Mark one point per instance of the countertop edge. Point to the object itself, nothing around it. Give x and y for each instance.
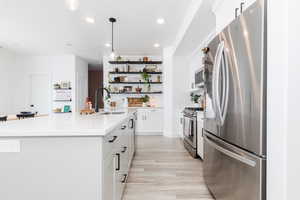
(67, 133)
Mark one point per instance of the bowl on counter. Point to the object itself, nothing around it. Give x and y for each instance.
(26, 112)
(3, 118)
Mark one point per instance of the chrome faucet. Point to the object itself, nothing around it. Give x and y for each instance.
(97, 97)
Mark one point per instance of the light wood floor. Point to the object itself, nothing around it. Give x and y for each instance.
(163, 170)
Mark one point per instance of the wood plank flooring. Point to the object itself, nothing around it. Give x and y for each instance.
(163, 170)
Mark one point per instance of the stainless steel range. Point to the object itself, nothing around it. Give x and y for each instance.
(190, 130)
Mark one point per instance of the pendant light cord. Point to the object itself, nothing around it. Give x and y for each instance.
(112, 20)
(112, 36)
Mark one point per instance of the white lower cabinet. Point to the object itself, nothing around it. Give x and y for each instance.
(120, 150)
(108, 178)
(150, 121)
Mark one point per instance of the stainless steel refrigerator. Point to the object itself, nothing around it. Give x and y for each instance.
(235, 114)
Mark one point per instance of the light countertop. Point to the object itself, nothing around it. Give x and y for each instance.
(64, 125)
(14, 117)
(156, 107)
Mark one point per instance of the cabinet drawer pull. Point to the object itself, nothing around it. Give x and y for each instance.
(124, 149)
(118, 164)
(131, 123)
(124, 179)
(123, 127)
(112, 140)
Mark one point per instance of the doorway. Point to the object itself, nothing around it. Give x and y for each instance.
(40, 93)
(95, 82)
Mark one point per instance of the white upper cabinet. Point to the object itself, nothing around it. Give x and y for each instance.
(227, 10)
(248, 3)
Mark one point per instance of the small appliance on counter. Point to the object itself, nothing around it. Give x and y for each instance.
(190, 129)
(3, 118)
(25, 114)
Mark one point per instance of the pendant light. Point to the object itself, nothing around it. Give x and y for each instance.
(112, 21)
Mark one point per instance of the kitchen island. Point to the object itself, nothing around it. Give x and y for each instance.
(66, 156)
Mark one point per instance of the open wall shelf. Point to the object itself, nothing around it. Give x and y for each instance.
(135, 83)
(70, 100)
(135, 72)
(136, 93)
(136, 62)
(62, 88)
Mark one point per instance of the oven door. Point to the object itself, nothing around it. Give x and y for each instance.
(190, 130)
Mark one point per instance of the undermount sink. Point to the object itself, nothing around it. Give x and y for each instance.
(111, 113)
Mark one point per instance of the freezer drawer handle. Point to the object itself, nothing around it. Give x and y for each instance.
(131, 123)
(114, 138)
(124, 179)
(118, 165)
(123, 127)
(231, 154)
(124, 149)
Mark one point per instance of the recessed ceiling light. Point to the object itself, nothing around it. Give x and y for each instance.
(72, 4)
(108, 45)
(160, 20)
(156, 45)
(90, 20)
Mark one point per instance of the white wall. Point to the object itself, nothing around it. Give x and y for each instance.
(181, 95)
(58, 68)
(180, 63)
(7, 66)
(277, 100)
(15, 85)
(293, 99)
(82, 75)
(168, 92)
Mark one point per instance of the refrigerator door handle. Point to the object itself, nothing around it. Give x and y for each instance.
(217, 68)
(214, 78)
(225, 85)
(230, 153)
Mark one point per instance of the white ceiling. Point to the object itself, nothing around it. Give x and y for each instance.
(202, 25)
(44, 27)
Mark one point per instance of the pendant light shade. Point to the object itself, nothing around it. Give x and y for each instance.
(112, 21)
(112, 55)
(72, 4)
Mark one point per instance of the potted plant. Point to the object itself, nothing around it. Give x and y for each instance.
(195, 98)
(147, 77)
(145, 100)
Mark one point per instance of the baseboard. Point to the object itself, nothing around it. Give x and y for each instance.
(173, 135)
(149, 133)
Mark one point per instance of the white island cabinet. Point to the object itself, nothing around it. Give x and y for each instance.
(66, 157)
